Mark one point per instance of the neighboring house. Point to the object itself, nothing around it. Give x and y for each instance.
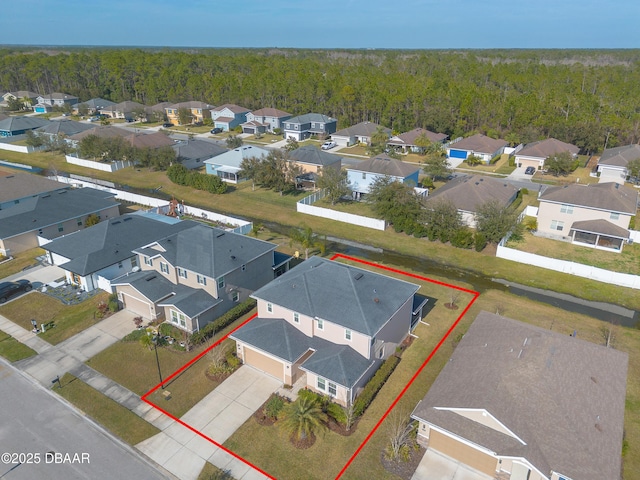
(45, 103)
(106, 131)
(227, 165)
(478, 145)
(366, 172)
(312, 161)
(332, 322)
(127, 110)
(612, 166)
(468, 192)
(13, 126)
(519, 402)
(63, 128)
(359, 133)
(265, 120)
(93, 106)
(406, 142)
(193, 153)
(92, 257)
(304, 126)
(228, 116)
(194, 276)
(198, 111)
(16, 187)
(534, 154)
(29, 98)
(591, 215)
(149, 140)
(52, 215)
(157, 112)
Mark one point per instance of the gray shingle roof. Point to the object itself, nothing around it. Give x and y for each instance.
(314, 156)
(233, 158)
(16, 124)
(270, 112)
(232, 107)
(365, 129)
(562, 396)
(96, 103)
(608, 196)
(385, 165)
(102, 131)
(50, 209)
(354, 298)
(480, 143)
(192, 153)
(21, 185)
(64, 127)
(110, 242)
(312, 117)
(209, 251)
(409, 138)
(468, 192)
(600, 226)
(619, 156)
(546, 148)
(191, 302)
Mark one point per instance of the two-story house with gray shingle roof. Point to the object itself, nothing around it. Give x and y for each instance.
(265, 120)
(310, 124)
(16, 187)
(516, 402)
(366, 172)
(312, 161)
(228, 116)
(193, 153)
(192, 277)
(328, 325)
(612, 165)
(92, 257)
(596, 216)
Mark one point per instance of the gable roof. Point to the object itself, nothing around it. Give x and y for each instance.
(232, 107)
(208, 251)
(564, 398)
(64, 127)
(158, 107)
(312, 117)
(354, 298)
(192, 104)
(189, 152)
(233, 158)
(102, 131)
(365, 129)
(601, 226)
(468, 192)
(546, 148)
(149, 140)
(57, 96)
(619, 156)
(16, 124)
(96, 103)
(110, 242)
(16, 186)
(50, 209)
(480, 143)
(314, 156)
(608, 196)
(124, 107)
(385, 165)
(270, 112)
(409, 138)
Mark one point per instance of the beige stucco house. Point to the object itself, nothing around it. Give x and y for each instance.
(597, 215)
(328, 325)
(534, 154)
(519, 402)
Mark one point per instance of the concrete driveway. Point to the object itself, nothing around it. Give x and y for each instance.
(218, 415)
(435, 466)
(38, 275)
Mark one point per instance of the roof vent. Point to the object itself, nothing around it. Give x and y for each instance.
(219, 235)
(358, 276)
(233, 257)
(115, 223)
(376, 300)
(148, 279)
(127, 219)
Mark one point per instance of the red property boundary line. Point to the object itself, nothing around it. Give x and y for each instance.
(475, 294)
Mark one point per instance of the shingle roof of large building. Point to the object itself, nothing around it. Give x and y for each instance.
(16, 124)
(231, 106)
(123, 107)
(64, 127)
(208, 251)
(58, 96)
(468, 192)
(480, 143)
(17, 186)
(102, 131)
(546, 148)
(342, 294)
(607, 196)
(191, 105)
(314, 156)
(270, 112)
(149, 140)
(312, 117)
(50, 209)
(409, 138)
(110, 242)
(619, 156)
(561, 398)
(365, 129)
(338, 363)
(158, 107)
(96, 103)
(233, 158)
(192, 153)
(385, 165)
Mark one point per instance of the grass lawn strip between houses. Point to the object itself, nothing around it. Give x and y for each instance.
(111, 415)
(12, 349)
(20, 262)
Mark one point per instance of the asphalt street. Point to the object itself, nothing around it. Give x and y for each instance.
(42, 437)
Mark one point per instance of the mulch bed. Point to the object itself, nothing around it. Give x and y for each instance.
(451, 306)
(304, 443)
(340, 429)
(218, 377)
(404, 470)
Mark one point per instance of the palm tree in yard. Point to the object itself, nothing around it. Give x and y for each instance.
(305, 237)
(303, 418)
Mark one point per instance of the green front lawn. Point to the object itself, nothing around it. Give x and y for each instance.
(20, 261)
(12, 349)
(69, 319)
(111, 415)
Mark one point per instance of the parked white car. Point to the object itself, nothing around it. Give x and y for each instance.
(328, 145)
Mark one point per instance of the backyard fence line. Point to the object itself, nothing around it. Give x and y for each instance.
(305, 206)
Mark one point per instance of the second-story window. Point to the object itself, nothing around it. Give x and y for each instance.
(270, 307)
(182, 273)
(320, 324)
(296, 317)
(201, 280)
(221, 282)
(164, 268)
(148, 261)
(347, 334)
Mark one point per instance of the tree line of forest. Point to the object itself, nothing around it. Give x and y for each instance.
(588, 98)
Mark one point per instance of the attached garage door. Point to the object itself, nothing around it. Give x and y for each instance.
(463, 453)
(266, 364)
(136, 306)
(248, 130)
(457, 153)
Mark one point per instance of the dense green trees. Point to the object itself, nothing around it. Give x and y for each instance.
(274, 171)
(334, 181)
(179, 174)
(561, 164)
(576, 96)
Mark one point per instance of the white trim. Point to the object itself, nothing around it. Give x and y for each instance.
(483, 411)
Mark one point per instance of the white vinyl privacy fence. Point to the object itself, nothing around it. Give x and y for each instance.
(305, 206)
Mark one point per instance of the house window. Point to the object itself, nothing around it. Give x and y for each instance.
(321, 384)
(381, 352)
(40, 231)
(614, 216)
(347, 334)
(201, 280)
(79, 222)
(270, 307)
(164, 268)
(296, 317)
(235, 296)
(75, 278)
(221, 282)
(134, 262)
(320, 324)
(333, 390)
(182, 273)
(148, 261)
(60, 228)
(566, 209)
(178, 318)
(557, 225)
(119, 264)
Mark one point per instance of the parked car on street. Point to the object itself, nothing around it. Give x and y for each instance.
(328, 145)
(11, 289)
(530, 171)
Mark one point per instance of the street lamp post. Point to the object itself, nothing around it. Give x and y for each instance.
(155, 347)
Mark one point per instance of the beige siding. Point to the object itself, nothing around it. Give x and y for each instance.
(262, 361)
(535, 162)
(397, 328)
(551, 211)
(305, 325)
(462, 452)
(341, 392)
(133, 302)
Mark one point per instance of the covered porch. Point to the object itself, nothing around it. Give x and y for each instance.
(599, 234)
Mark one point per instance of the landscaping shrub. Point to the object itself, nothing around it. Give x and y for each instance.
(232, 360)
(336, 412)
(210, 329)
(180, 175)
(481, 241)
(463, 238)
(374, 385)
(310, 395)
(273, 406)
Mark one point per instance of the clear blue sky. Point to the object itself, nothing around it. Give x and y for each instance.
(327, 24)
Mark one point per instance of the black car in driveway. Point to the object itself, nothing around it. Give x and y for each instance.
(11, 289)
